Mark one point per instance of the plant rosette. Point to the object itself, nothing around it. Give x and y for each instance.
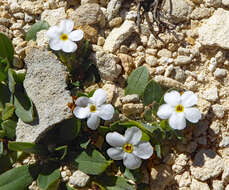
(178, 108)
(94, 108)
(63, 38)
(129, 147)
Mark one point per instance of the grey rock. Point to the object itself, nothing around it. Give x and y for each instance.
(180, 11)
(168, 82)
(118, 35)
(79, 179)
(215, 31)
(220, 73)
(88, 14)
(53, 17)
(183, 60)
(130, 98)
(207, 164)
(200, 13)
(211, 94)
(197, 185)
(225, 2)
(213, 3)
(218, 110)
(107, 64)
(113, 8)
(224, 142)
(45, 84)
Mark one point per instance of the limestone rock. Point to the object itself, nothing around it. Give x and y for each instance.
(107, 64)
(42, 39)
(53, 17)
(132, 109)
(118, 35)
(168, 82)
(32, 7)
(197, 185)
(130, 98)
(184, 180)
(224, 142)
(88, 14)
(225, 2)
(161, 176)
(211, 94)
(127, 62)
(215, 31)
(217, 185)
(180, 11)
(207, 164)
(79, 179)
(113, 8)
(45, 84)
(218, 110)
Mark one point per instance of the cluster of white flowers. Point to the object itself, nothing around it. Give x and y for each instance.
(63, 38)
(178, 108)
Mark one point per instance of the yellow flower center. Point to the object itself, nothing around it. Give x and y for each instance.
(179, 108)
(128, 148)
(92, 108)
(64, 37)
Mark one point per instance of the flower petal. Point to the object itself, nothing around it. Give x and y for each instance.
(93, 121)
(66, 26)
(55, 44)
(115, 153)
(192, 114)
(106, 111)
(99, 97)
(82, 101)
(53, 32)
(69, 46)
(172, 98)
(131, 161)
(189, 99)
(115, 139)
(76, 35)
(82, 112)
(143, 150)
(164, 111)
(133, 135)
(177, 121)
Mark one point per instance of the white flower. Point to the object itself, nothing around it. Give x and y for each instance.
(178, 108)
(62, 37)
(129, 147)
(94, 108)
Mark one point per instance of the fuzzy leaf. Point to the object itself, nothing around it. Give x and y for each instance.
(49, 181)
(18, 178)
(9, 126)
(6, 48)
(35, 28)
(152, 92)
(137, 81)
(92, 163)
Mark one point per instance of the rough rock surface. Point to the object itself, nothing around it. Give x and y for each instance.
(79, 179)
(107, 64)
(118, 35)
(215, 31)
(45, 84)
(53, 17)
(206, 164)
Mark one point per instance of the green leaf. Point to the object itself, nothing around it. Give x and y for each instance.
(85, 144)
(6, 163)
(134, 175)
(49, 181)
(137, 81)
(158, 150)
(70, 129)
(8, 111)
(92, 163)
(115, 183)
(32, 33)
(1, 148)
(6, 48)
(9, 126)
(152, 92)
(4, 66)
(18, 178)
(23, 107)
(68, 187)
(27, 147)
(12, 82)
(5, 95)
